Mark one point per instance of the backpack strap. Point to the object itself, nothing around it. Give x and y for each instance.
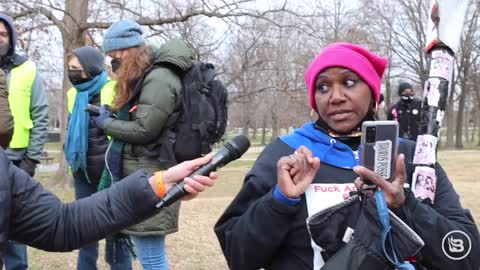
(203, 130)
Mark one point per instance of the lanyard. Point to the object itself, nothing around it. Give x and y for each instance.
(386, 233)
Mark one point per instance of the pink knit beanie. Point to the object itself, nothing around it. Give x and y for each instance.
(368, 66)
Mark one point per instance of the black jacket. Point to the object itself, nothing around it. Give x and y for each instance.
(31, 215)
(258, 231)
(97, 147)
(407, 114)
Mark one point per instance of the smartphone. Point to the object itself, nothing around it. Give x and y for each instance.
(93, 110)
(379, 147)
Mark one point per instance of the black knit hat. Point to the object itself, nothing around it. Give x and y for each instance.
(404, 86)
(91, 60)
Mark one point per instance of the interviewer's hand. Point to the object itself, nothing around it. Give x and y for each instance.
(193, 186)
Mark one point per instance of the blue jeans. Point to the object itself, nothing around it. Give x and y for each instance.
(151, 252)
(15, 256)
(117, 254)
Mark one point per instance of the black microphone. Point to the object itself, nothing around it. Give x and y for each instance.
(232, 150)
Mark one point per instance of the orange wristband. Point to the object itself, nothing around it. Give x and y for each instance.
(160, 190)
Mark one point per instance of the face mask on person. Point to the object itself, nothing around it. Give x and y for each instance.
(115, 63)
(407, 97)
(4, 48)
(75, 77)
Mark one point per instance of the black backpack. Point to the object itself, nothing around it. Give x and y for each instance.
(202, 119)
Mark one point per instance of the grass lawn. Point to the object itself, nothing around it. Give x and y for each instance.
(195, 245)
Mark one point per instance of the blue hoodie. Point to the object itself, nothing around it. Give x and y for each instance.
(326, 148)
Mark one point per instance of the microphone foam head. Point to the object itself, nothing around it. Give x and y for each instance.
(238, 145)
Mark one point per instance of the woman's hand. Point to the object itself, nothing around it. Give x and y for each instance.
(296, 172)
(104, 113)
(394, 193)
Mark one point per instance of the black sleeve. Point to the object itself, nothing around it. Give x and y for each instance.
(255, 224)
(39, 219)
(433, 223)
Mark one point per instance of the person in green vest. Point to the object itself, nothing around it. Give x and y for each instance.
(6, 119)
(29, 108)
(86, 144)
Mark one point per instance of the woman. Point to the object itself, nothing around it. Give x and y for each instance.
(148, 94)
(86, 144)
(265, 225)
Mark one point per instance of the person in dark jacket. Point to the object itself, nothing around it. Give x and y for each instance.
(86, 145)
(406, 112)
(147, 101)
(33, 216)
(265, 225)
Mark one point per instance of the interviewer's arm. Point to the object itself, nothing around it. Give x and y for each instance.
(41, 220)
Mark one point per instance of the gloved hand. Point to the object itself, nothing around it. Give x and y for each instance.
(28, 165)
(105, 113)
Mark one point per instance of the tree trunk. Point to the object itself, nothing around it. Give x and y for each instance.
(388, 92)
(246, 127)
(465, 122)
(478, 135)
(275, 126)
(450, 117)
(73, 37)
(255, 130)
(264, 130)
(461, 108)
(474, 130)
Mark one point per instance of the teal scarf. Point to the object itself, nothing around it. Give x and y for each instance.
(114, 156)
(76, 142)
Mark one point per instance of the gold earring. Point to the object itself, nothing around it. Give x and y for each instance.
(312, 114)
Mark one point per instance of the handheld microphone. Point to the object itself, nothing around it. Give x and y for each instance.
(232, 150)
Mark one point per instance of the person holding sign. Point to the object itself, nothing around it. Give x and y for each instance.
(316, 167)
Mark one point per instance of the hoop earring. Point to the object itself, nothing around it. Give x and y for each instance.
(312, 115)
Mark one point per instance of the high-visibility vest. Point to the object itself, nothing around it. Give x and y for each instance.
(106, 95)
(20, 97)
(106, 98)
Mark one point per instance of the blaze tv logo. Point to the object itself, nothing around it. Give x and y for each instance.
(456, 245)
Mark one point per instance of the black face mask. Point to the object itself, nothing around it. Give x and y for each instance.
(407, 97)
(75, 77)
(4, 48)
(115, 63)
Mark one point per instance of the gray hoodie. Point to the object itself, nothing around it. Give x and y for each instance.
(39, 101)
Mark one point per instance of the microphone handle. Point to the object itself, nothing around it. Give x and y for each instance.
(178, 190)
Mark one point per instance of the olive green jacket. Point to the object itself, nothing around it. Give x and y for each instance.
(160, 97)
